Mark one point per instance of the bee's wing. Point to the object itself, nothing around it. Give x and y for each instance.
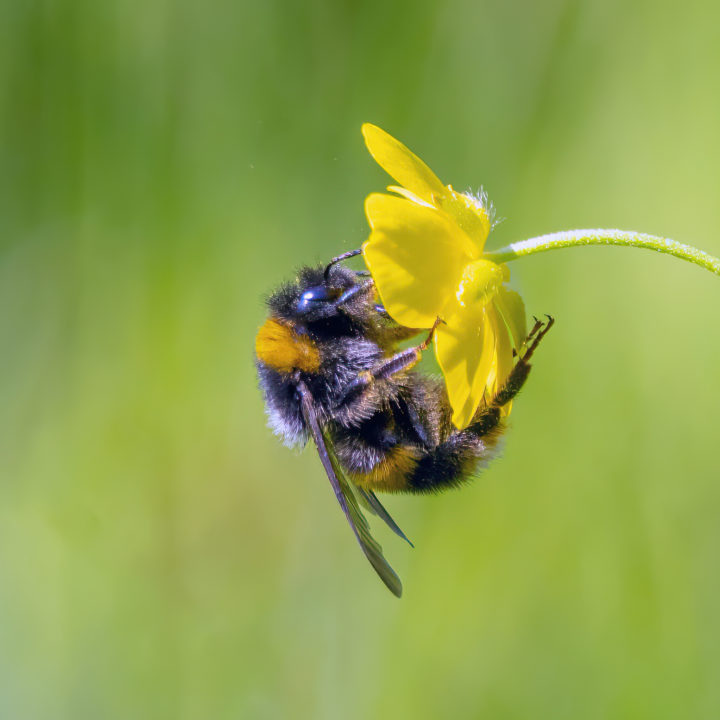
(345, 496)
(369, 500)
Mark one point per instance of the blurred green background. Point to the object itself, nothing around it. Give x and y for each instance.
(162, 167)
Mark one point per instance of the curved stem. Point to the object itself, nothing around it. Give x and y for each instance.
(570, 238)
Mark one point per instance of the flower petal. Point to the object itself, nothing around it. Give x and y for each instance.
(512, 310)
(416, 255)
(407, 194)
(470, 215)
(465, 350)
(402, 164)
(390, 214)
(504, 361)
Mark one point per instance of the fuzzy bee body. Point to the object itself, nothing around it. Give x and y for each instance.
(329, 368)
(393, 435)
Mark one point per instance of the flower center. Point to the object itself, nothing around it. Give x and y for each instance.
(480, 281)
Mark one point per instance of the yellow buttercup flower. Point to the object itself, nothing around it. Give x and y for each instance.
(425, 253)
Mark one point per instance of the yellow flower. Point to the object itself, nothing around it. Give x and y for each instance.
(425, 253)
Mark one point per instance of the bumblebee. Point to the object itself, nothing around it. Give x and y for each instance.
(330, 369)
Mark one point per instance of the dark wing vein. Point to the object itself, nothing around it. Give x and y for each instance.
(345, 496)
(370, 500)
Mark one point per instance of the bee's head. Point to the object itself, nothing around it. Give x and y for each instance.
(312, 297)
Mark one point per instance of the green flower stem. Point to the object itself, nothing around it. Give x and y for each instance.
(571, 238)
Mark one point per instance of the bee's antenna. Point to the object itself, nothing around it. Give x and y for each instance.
(339, 258)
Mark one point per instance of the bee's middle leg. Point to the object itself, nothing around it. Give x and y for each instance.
(402, 360)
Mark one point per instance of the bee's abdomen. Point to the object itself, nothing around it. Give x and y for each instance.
(392, 470)
(453, 462)
(408, 468)
(419, 454)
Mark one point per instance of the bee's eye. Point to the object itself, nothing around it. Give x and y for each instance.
(310, 298)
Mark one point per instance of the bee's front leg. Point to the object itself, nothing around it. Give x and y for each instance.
(353, 292)
(340, 258)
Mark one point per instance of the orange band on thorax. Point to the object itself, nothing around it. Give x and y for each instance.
(280, 348)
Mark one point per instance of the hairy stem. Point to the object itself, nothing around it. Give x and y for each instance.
(571, 238)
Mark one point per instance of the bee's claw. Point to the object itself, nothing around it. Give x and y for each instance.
(426, 343)
(538, 324)
(539, 331)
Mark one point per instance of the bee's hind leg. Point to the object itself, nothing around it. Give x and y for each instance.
(518, 375)
(489, 418)
(450, 463)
